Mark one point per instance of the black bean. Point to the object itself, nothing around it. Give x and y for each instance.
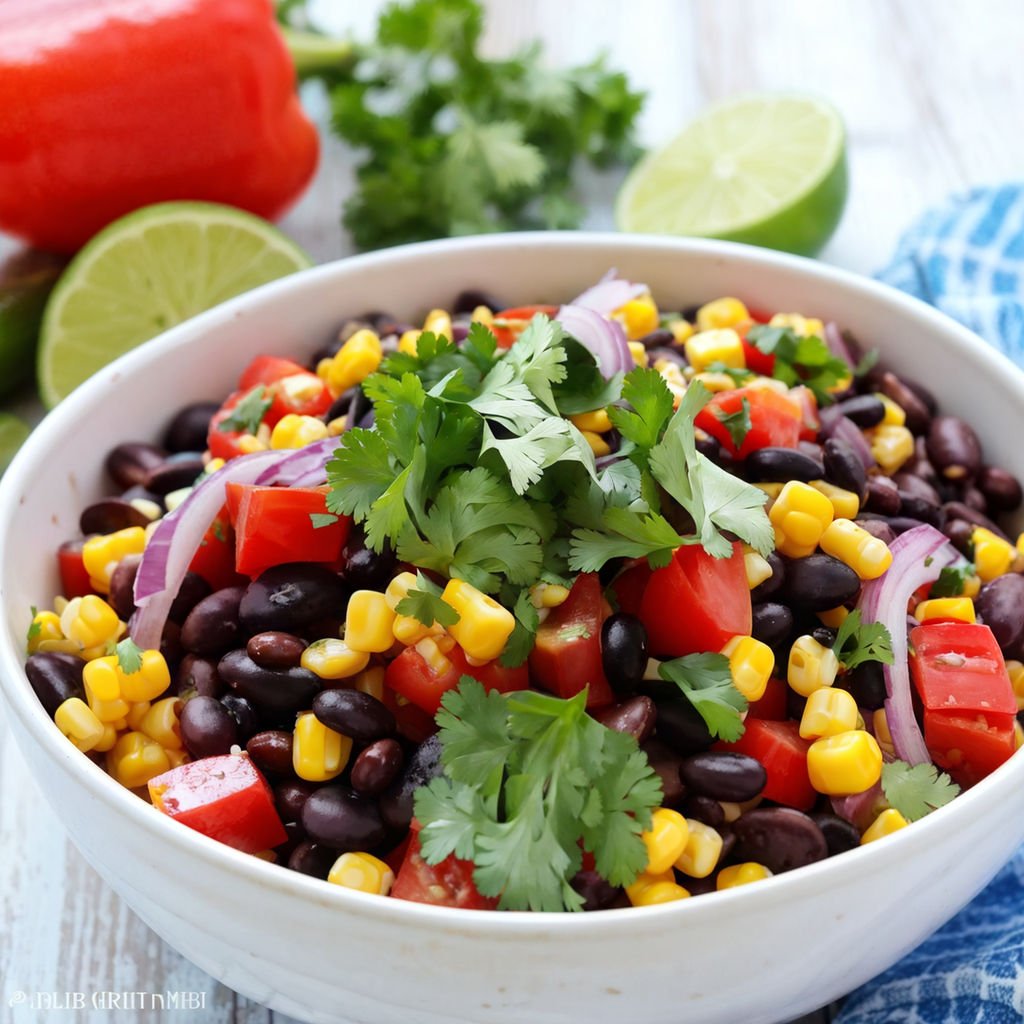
(877, 527)
(772, 623)
(961, 535)
(672, 355)
(623, 651)
(812, 450)
(55, 677)
(469, 298)
(883, 496)
(824, 635)
(198, 675)
(193, 589)
(339, 817)
(596, 892)
(289, 597)
(207, 727)
(275, 650)
(780, 838)
(122, 586)
(843, 467)
(357, 715)
(954, 448)
(920, 509)
(665, 761)
(176, 471)
(972, 497)
(291, 796)
(919, 464)
(703, 808)
(918, 416)
(774, 582)
(170, 642)
(272, 689)
(819, 582)
(795, 704)
(917, 487)
(840, 835)
(923, 393)
(866, 684)
(271, 751)
(424, 765)
(188, 430)
(130, 463)
(635, 716)
(782, 464)
(682, 728)
(864, 410)
(244, 713)
(366, 569)
(1000, 605)
(212, 626)
(294, 835)
(1002, 489)
(312, 859)
(376, 767)
(958, 510)
(723, 775)
(661, 337)
(111, 515)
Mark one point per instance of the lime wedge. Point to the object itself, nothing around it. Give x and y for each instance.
(13, 431)
(768, 169)
(147, 272)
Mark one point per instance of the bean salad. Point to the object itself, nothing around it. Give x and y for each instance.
(547, 607)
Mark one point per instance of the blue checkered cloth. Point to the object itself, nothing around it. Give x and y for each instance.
(966, 258)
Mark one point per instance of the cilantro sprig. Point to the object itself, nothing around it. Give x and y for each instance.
(530, 782)
(706, 682)
(801, 359)
(248, 414)
(857, 642)
(916, 790)
(952, 580)
(423, 603)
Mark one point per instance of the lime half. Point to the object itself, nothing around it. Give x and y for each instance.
(768, 169)
(147, 272)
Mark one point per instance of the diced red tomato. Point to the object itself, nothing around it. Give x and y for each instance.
(214, 559)
(521, 316)
(273, 525)
(224, 444)
(968, 700)
(412, 722)
(772, 705)
(305, 394)
(223, 797)
(267, 370)
(566, 655)
(629, 586)
(74, 579)
(696, 602)
(448, 884)
(779, 747)
(775, 420)
(756, 360)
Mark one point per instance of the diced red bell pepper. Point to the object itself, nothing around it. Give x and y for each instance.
(775, 420)
(696, 602)
(756, 360)
(779, 747)
(223, 797)
(225, 444)
(305, 394)
(773, 704)
(628, 587)
(448, 884)
(214, 559)
(520, 317)
(74, 577)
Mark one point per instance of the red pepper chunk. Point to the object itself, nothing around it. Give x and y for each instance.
(223, 797)
(775, 420)
(291, 388)
(448, 884)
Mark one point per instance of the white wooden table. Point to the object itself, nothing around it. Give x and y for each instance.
(931, 94)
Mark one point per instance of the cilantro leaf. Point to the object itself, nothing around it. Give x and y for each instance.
(584, 387)
(248, 414)
(706, 681)
(424, 604)
(624, 533)
(739, 374)
(398, 406)
(858, 642)
(549, 441)
(35, 628)
(322, 519)
(359, 473)
(916, 790)
(867, 363)
(129, 656)
(800, 359)
(736, 423)
(646, 391)
(952, 580)
(520, 643)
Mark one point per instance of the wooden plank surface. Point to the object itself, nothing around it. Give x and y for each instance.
(929, 92)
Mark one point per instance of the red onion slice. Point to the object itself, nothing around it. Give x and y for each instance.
(918, 556)
(842, 428)
(608, 294)
(604, 339)
(837, 344)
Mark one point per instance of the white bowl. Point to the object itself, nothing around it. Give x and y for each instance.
(761, 953)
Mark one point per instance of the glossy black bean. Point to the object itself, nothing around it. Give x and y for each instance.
(918, 416)
(212, 626)
(110, 515)
(819, 582)
(130, 463)
(198, 675)
(825, 636)
(422, 766)
(812, 450)
(896, 524)
(623, 651)
(1001, 488)
(972, 497)
(866, 684)
(288, 597)
(877, 528)
(723, 775)
(635, 716)
(469, 298)
(193, 589)
(55, 677)
(289, 689)
(921, 510)
(660, 338)
(275, 649)
(376, 767)
(773, 584)
(188, 430)
(341, 818)
(357, 715)
(207, 727)
(310, 858)
(919, 464)
(961, 535)
(931, 403)
(958, 510)
(290, 797)
(840, 835)
(244, 713)
(122, 583)
(917, 487)
(864, 410)
(780, 838)
(1000, 605)
(883, 496)
(782, 464)
(771, 623)
(596, 892)
(953, 447)
(170, 642)
(340, 405)
(843, 467)
(176, 471)
(665, 761)
(703, 808)
(682, 728)
(271, 751)
(795, 704)
(366, 569)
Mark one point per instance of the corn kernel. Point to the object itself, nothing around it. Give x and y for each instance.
(598, 445)
(833, 617)
(703, 849)
(135, 759)
(332, 658)
(45, 626)
(160, 723)
(715, 346)
(961, 608)
(891, 446)
(724, 312)
(439, 322)
(715, 382)
(660, 892)
(665, 839)
(828, 712)
(638, 316)
(773, 490)
(368, 622)
(482, 315)
(596, 421)
(136, 713)
(78, 722)
(248, 444)
(889, 821)
(894, 414)
(681, 330)
(108, 740)
(867, 555)
(800, 516)
(399, 587)
(639, 353)
(102, 680)
(811, 666)
(176, 498)
(993, 556)
(370, 681)
(751, 663)
(842, 765)
(319, 753)
(880, 728)
(362, 871)
(409, 342)
(646, 879)
(151, 679)
(360, 356)
(758, 568)
(336, 427)
(1015, 670)
(845, 504)
(548, 595)
(101, 554)
(430, 651)
(741, 874)
(323, 367)
(408, 630)
(801, 326)
(484, 626)
(293, 431)
(177, 758)
(90, 621)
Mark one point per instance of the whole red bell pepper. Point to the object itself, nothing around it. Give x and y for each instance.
(109, 105)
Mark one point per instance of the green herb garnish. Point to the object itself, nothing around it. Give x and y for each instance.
(248, 414)
(706, 682)
(858, 642)
(801, 359)
(916, 790)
